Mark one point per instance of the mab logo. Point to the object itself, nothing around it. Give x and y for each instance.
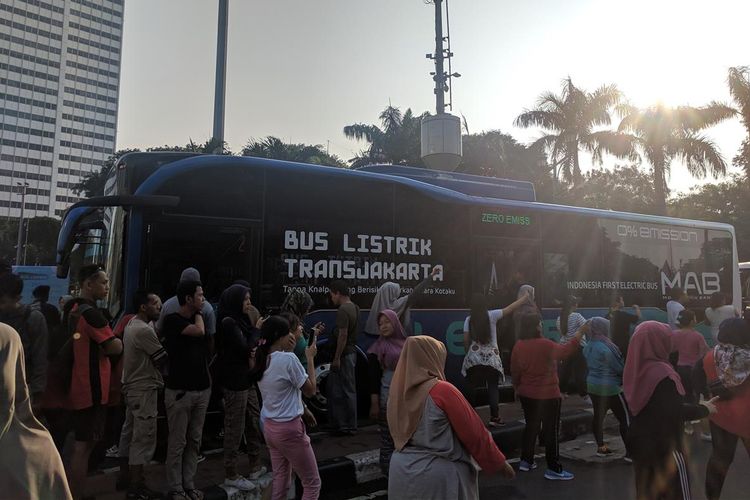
(700, 283)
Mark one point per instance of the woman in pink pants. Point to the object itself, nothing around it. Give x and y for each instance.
(282, 380)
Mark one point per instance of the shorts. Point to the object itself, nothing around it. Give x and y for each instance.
(88, 424)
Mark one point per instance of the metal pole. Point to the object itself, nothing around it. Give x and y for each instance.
(439, 72)
(19, 239)
(221, 74)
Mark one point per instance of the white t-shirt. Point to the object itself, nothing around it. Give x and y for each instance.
(716, 316)
(280, 387)
(575, 322)
(673, 309)
(495, 316)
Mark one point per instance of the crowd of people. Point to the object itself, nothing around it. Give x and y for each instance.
(66, 368)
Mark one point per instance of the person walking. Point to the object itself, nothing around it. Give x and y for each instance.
(389, 296)
(341, 383)
(717, 312)
(725, 372)
(30, 466)
(282, 380)
(572, 371)
(382, 358)
(142, 359)
(604, 382)
(188, 389)
(621, 322)
(482, 365)
(690, 347)
(438, 437)
(534, 371)
(655, 396)
(236, 339)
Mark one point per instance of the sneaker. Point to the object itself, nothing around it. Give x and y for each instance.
(689, 429)
(525, 466)
(201, 457)
(113, 451)
(240, 483)
(604, 451)
(257, 473)
(496, 422)
(627, 459)
(558, 476)
(706, 436)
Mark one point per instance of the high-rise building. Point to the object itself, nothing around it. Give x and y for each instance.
(59, 83)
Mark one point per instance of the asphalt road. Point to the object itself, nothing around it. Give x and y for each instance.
(610, 481)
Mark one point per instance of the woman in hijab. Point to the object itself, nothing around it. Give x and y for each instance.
(383, 357)
(30, 466)
(604, 381)
(654, 393)
(298, 303)
(725, 370)
(236, 339)
(437, 434)
(389, 297)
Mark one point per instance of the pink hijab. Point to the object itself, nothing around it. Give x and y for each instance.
(388, 349)
(648, 364)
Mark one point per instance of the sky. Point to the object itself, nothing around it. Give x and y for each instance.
(303, 69)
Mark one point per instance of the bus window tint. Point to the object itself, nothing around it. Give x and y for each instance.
(572, 260)
(719, 253)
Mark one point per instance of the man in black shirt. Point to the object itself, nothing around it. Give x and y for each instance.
(188, 388)
(621, 322)
(41, 303)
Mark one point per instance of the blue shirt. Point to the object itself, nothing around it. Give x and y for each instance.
(605, 369)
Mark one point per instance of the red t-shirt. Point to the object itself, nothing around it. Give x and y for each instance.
(92, 369)
(468, 427)
(690, 345)
(534, 369)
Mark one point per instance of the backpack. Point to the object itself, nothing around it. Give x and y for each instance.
(60, 351)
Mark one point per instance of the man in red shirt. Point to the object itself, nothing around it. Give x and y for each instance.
(93, 344)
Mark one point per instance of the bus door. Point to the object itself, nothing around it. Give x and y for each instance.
(502, 265)
(223, 251)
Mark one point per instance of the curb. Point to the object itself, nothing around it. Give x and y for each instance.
(345, 472)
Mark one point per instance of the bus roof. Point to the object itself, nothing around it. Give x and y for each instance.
(172, 170)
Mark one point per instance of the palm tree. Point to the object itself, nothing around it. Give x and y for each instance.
(273, 147)
(570, 120)
(739, 87)
(396, 140)
(662, 134)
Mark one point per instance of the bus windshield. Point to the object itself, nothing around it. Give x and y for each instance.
(99, 240)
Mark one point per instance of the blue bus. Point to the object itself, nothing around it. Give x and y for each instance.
(282, 225)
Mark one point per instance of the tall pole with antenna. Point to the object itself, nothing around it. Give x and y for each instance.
(441, 133)
(221, 75)
(439, 76)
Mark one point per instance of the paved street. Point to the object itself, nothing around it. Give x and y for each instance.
(605, 480)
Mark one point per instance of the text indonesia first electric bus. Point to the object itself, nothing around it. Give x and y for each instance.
(282, 225)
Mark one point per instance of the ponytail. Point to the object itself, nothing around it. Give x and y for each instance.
(272, 330)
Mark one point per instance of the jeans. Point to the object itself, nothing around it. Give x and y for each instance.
(542, 412)
(480, 376)
(619, 409)
(241, 414)
(342, 394)
(724, 446)
(186, 411)
(289, 446)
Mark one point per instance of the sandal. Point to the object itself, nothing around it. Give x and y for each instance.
(194, 494)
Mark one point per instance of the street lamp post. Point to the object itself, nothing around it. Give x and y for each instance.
(19, 240)
(221, 75)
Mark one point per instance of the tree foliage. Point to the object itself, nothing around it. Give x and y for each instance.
(396, 140)
(275, 148)
(625, 188)
(41, 240)
(662, 134)
(727, 201)
(739, 87)
(570, 121)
